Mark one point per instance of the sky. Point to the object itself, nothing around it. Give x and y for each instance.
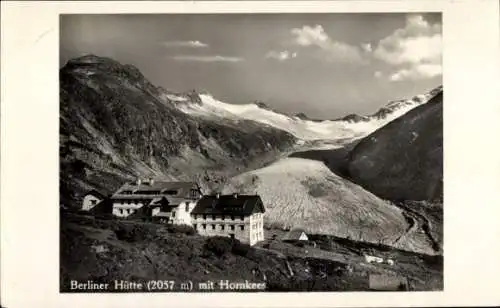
(324, 65)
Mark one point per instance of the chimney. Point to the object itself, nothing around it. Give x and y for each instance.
(235, 195)
(217, 195)
(151, 181)
(138, 181)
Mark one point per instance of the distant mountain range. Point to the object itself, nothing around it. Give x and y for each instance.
(300, 125)
(115, 125)
(389, 112)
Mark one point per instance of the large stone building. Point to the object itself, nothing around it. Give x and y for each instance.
(171, 202)
(236, 216)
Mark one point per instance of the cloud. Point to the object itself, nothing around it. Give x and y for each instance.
(328, 49)
(191, 44)
(367, 47)
(215, 58)
(420, 71)
(378, 74)
(281, 55)
(417, 42)
(418, 46)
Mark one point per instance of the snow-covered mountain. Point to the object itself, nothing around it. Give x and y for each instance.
(349, 127)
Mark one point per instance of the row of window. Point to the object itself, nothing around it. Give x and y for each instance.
(222, 227)
(222, 217)
(126, 211)
(257, 236)
(173, 212)
(257, 225)
(132, 202)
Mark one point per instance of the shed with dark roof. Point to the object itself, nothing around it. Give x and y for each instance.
(295, 234)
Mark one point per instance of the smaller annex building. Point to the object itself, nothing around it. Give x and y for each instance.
(91, 199)
(295, 235)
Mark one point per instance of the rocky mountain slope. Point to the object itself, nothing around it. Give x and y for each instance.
(116, 125)
(404, 159)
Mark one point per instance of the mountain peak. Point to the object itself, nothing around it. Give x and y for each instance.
(302, 116)
(355, 118)
(91, 59)
(262, 105)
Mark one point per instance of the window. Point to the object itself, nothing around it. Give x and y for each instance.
(194, 193)
(204, 216)
(186, 207)
(213, 227)
(204, 226)
(194, 226)
(213, 217)
(222, 227)
(148, 192)
(173, 214)
(93, 202)
(232, 227)
(242, 218)
(232, 217)
(121, 211)
(242, 227)
(170, 192)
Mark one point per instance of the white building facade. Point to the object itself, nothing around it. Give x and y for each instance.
(172, 202)
(236, 216)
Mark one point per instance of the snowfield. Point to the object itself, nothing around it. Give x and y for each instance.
(305, 193)
(300, 128)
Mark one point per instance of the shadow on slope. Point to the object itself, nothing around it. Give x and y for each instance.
(335, 159)
(404, 159)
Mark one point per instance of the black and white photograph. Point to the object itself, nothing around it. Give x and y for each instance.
(251, 152)
(255, 154)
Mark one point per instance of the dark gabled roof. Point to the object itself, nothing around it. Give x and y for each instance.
(94, 192)
(237, 205)
(156, 189)
(103, 207)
